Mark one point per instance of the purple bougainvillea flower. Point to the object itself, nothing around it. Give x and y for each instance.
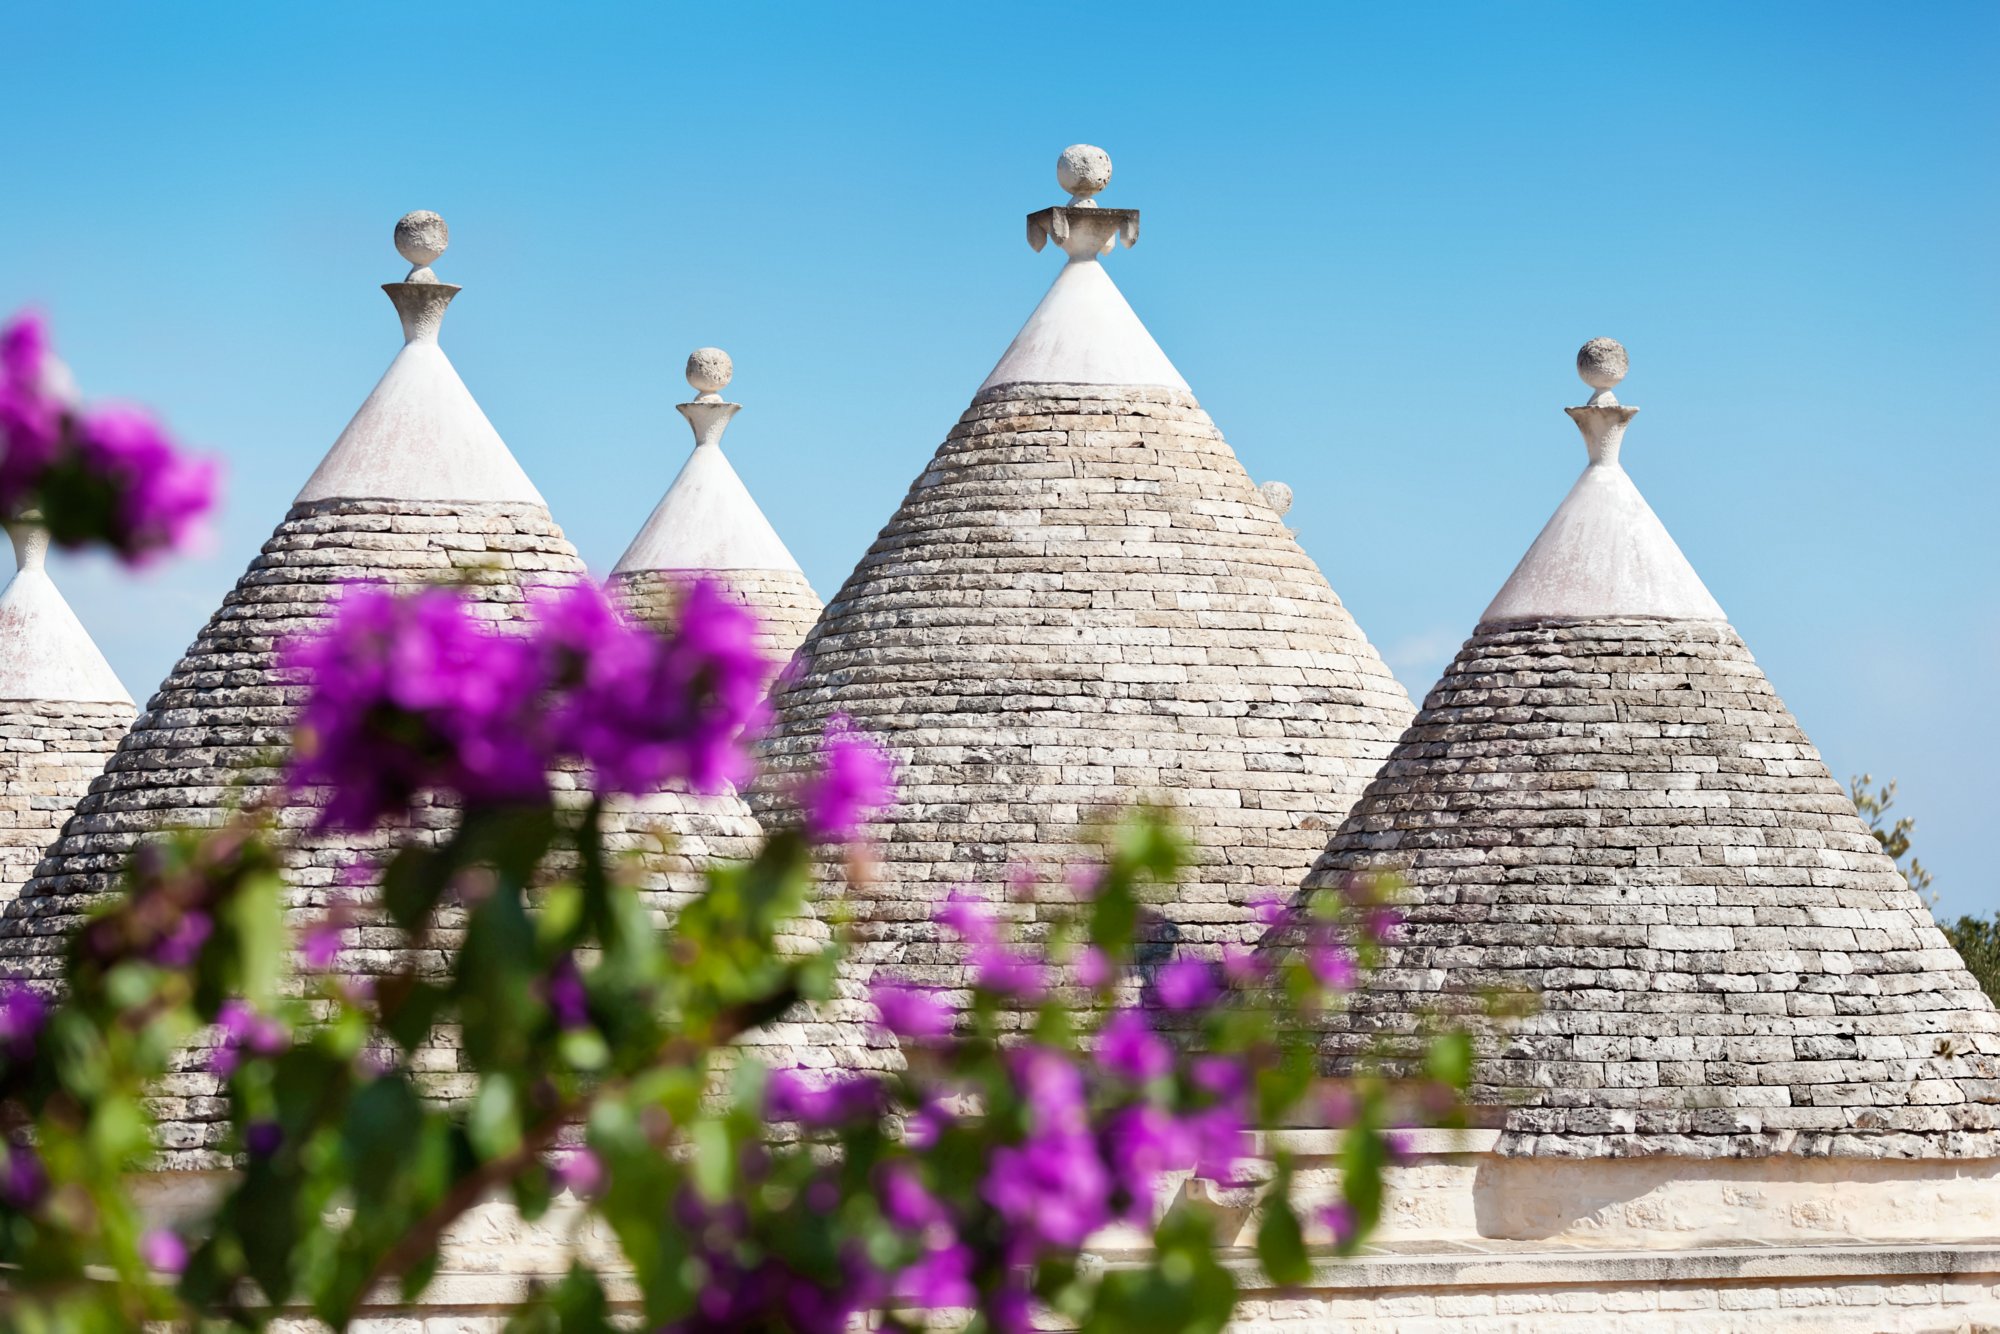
(1333, 966)
(580, 1172)
(645, 710)
(1052, 1187)
(821, 1105)
(1269, 906)
(940, 1279)
(1186, 984)
(855, 780)
(967, 916)
(1241, 965)
(1338, 1219)
(262, 1138)
(30, 417)
(160, 496)
(1006, 972)
(244, 1030)
(163, 1251)
(563, 990)
(1142, 1142)
(914, 1013)
(905, 1200)
(22, 1014)
(319, 944)
(411, 693)
(1093, 968)
(23, 1182)
(1128, 1046)
(182, 944)
(1385, 924)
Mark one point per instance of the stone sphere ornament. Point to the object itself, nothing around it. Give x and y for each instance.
(1601, 363)
(421, 237)
(1083, 170)
(709, 370)
(1277, 495)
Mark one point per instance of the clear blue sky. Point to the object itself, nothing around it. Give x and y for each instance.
(1374, 237)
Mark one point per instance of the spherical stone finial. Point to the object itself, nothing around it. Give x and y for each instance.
(421, 237)
(1083, 170)
(1601, 363)
(709, 370)
(1277, 495)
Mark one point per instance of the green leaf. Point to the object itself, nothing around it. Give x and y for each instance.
(1281, 1243)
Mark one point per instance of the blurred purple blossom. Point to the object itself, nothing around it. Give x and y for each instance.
(1093, 968)
(182, 943)
(854, 781)
(163, 1251)
(1186, 984)
(915, 1013)
(822, 1104)
(23, 1181)
(411, 692)
(1128, 1046)
(160, 497)
(22, 1014)
(563, 991)
(244, 1030)
(580, 1172)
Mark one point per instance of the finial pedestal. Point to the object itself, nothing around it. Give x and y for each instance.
(420, 299)
(709, 371)
(1082, 227)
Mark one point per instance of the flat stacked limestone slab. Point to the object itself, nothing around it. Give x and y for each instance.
(49, 752)
(1615, 813)
(1084, 602)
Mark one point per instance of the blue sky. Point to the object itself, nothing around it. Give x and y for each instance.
(1374, 237)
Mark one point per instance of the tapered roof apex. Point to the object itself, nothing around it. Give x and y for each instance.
(1604, 552)
(45, 653)
(707, 521)
(1084, 331)
(420, 436)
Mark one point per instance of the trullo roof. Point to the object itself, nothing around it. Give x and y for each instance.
(418, 486)
(1603, 803)
(1083, 601)
(708, 526)
(62, 709)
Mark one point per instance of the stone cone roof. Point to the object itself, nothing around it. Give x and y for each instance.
(213, 735)
(708, 526)
(1081, 602)
(1604, 802)
(62, 710)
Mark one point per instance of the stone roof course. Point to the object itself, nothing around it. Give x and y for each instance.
(1616, 813)
(1081, 602)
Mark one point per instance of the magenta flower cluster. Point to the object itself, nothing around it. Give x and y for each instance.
(110, 474)
(413, 692)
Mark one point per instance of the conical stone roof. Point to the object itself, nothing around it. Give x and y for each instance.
(1084, 601)
(419, 486)
(1604, 803)
(708, 526)
(62, 709)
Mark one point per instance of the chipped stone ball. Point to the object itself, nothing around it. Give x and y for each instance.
(709, 370)
(1083, 169)
(1277, 495)
(1601, 362)
(421, 237)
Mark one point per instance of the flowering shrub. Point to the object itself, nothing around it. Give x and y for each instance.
(109, 476)
(1063, 1097)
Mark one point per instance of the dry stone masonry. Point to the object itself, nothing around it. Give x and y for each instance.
(1083, 601)
(1604, 803)
(418, 486)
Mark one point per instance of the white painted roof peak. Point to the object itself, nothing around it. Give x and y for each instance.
(1604, 554)
(420, 436)
(45, 653)
(1084, 332)
(707, 520)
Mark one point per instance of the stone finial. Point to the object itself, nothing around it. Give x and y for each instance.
(420, 298)
(709, 371)
(1083, 170)
(420, 238)
(1081, 227)
(1601, 363)
(1278, 496)
(31, 541)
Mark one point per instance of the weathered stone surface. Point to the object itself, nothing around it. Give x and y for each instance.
(49, 752)
(1621, 817)
(212, 737)
(1083, 601)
